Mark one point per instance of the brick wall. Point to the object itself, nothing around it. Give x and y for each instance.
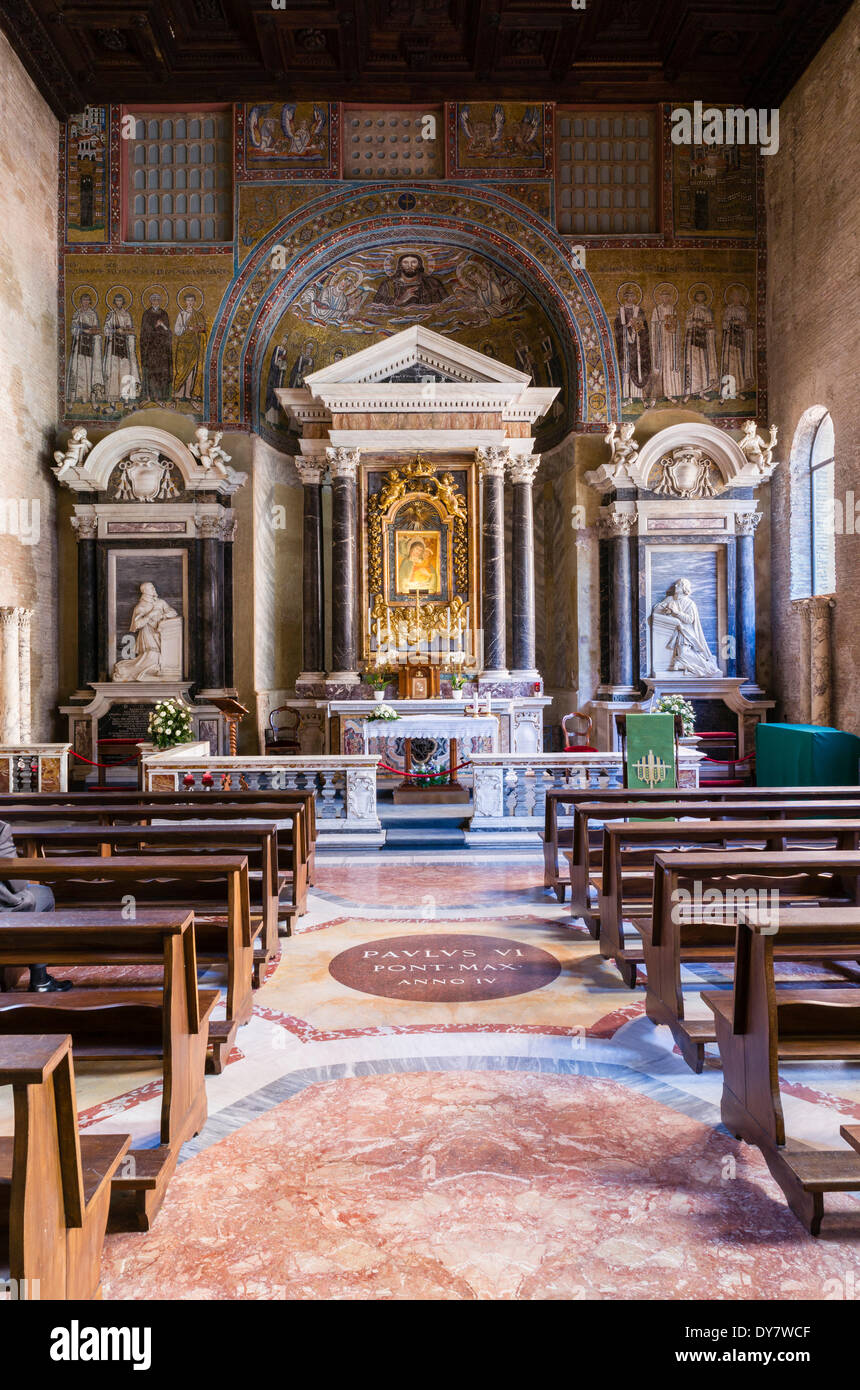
(28, 370)
(813, 211)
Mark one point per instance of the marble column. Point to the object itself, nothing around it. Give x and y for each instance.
(745, 528)
(522, 474)
(618, 528)
(86, 530)
(25, 696)
(10, 685)
(491, 468)
(210, 533)
(816, 612)
(313, 593)
(343, 464)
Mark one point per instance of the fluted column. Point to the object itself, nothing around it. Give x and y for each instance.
(491, 468)
(618, 528)
(313, 593)
(745, 527)
(10, 686)
(522, 474)
(25, 697)
(817, 614)
(343, 464)
(85, 526)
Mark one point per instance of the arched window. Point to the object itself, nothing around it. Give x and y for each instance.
(815, 515)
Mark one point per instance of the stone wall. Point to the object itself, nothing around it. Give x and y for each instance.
(28, 372)
(813, 205)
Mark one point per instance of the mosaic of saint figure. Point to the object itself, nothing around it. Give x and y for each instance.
(666, 358)
(737, 354)
(84, 379)
(156, 349)
(190, 354)
(632, 343)
(701, 377)
(120, 352)
(410, 284)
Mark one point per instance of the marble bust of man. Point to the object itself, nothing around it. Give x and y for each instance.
(677, 634)
(150, 612)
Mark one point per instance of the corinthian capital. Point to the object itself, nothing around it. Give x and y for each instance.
(523, 469)
(746, 523)
(343, 462)
(310, 470)
(85, 526)
(492, 459)
(612, 522)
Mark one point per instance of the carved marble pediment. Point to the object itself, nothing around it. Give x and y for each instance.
(147, 463)
(684, 461)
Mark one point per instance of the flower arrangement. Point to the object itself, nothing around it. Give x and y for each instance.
(676, 704)
(378, 677)
(458, 680)
(170, 723)
(385, 712)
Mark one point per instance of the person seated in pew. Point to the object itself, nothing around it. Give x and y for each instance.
(18, 895)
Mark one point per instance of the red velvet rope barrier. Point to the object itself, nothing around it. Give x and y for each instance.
(747, 757)
(425, 776)
(121, 762)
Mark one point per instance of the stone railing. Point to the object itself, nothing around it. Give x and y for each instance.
(34, 767)
(510, 788)
(345, 784)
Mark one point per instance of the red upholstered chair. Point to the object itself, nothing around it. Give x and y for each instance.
(576, 728)
(282, 733)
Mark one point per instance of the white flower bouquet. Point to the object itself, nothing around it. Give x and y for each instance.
(385, 713)
(170, 723)
(676, 704)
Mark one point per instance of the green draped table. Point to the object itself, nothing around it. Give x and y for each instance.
(806, 755)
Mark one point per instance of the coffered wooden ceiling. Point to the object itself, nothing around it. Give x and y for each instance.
(749, 51)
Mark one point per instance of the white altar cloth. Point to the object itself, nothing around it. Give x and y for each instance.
(448, 726)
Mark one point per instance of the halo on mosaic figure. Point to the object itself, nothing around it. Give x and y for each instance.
(661, 289)
(150, 290)
(700, 287)
(620, 293)
(393, 257)
(744, 295)
(187, 290)
(79, 291)
(126, 293)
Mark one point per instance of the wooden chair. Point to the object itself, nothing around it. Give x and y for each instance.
(576, 729)
(759, 1024)
(282, 735)
(54, 1184)
(123, 1024)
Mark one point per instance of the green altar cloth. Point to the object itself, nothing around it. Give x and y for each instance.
(806, 755)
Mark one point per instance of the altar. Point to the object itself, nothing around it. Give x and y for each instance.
(425, 733)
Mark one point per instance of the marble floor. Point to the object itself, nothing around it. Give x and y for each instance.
(445, 1093)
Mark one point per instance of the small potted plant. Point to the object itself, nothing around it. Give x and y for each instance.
(458, 680)
(676, 704)
(170, 723)
(378, 677)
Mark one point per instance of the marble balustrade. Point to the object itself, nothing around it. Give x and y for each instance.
(34, 767)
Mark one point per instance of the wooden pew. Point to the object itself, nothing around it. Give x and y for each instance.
(558, 836)
(586, 854)
(627, 894)
(759, 1024)
(292, 862)
(54, 1183)
(258, 841)
(123, 1024)
(304, 798)
(674, 933)
(224, 938)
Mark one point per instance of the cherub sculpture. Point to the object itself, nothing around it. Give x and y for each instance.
(77, 448)
(623, 445)
(756, 450)
(447, 494)
(209, 452)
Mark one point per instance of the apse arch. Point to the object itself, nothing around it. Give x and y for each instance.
(326, 231)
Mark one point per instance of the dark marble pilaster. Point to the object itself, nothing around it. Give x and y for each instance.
(86, 530)
(344, 520)
(522, 474)
(616, 528)
(211, 599)
(313, 594)
(745, 528)
(491, 467)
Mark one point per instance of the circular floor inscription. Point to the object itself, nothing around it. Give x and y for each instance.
(441, 968)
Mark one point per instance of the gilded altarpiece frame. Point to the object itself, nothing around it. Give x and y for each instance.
(436, 503)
